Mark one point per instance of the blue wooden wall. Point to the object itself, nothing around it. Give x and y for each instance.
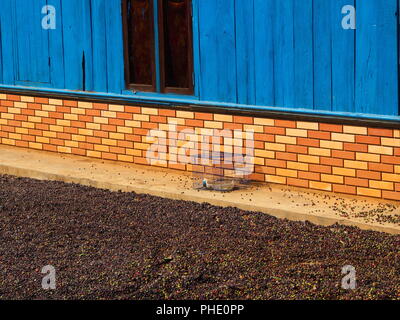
(283, 53)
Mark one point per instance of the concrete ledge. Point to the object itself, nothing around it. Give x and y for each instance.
(282, 202)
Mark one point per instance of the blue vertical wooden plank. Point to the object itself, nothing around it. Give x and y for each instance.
(377, 57)
(77, 44)
(196, 48)
(303, 54)
(115, 47)
(7, 29)
(343, 60)
(264, 52)
(245, 51)
(218, 50)
(322, 54)
(99, 30)
(284, 53)
(32, 42)
(56, 49)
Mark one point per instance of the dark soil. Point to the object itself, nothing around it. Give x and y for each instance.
(107, 245)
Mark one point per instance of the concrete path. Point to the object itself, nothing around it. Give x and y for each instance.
(282, 202)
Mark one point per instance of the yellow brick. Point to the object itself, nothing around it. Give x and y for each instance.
(100, 120)
(109, 142)
(397, 133)
(94, 154)
(78, 138)
(117, 108)
(252, 128)
(141, 117)
(307, 125)
(296, 132)
(35, 145)
(43, 114)
(21, 130)
(319, 152)
(34, 119)
(3, 121)
(259, 161)
(56, 102)
(264, 122)
(391, 177)
(93, 126)
(275, 146)
(64, 123)
(286, 173)
(332, 179)
(78, 111)
(26, 99)
(141, 146)
(85, 105)
(185, 114)
(50, 134)
(64, 149)
(331, 144)
(343, 137)
(132, 124)
(344, 172)
(17, 110)
(28, 125)
(213, 124)
(223, 117)
(150, 111)
(50, 108)
(108, 114)
(355, 130)
(71, 117)
(101, 148)
(369, 192)
(124, 130)
(308, 159)
(133, 152)
(356, 164)
(176, 121)
(117, 136)
(380, 150)
(381, 185)
(85, 132)
(275, 179)
(298, 166)
(125, 158)
(391, 142)
(72, 144)
(286, 140)
(56, 128)
(42, 140)
(10, 142)
(264, 154)
(14, 136)
(8, 116)
(368, 157)
(3, 96)
(20, 105)
(397, 169)
(320, 186)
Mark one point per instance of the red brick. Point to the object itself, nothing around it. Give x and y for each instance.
(108, 127)
(133, 109)
(116, 122)
(70, 103)
(309, 175)
(265, 170)
(275, 163)
(397, 152)
(380, 132)
(320, 168)
(264, 137)
(356, 147)
(233, 126)
(344, 189)
(100, 106)
(298, 182)
(390, 159)
(331, 127)
(56, 115)
(391, 195)
(335, 162)
(368, 140)
(275, 130)
(41, 100)
(297, 149)
(322, 135)
(108, 156)
(194, 123)
(49, 147)
(372, 175)
(204, 116)
(308, 142)
(124, 115)
(12, 97)
(22, 144)
(78, 152)
(349, 155)
(285, 123)
(167, 113)
(286, 156)
(243, 120)
(381, 167)
(357, 182)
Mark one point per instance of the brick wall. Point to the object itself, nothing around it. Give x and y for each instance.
(339, 158)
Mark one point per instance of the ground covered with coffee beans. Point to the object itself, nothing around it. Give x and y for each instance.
(110, 245)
